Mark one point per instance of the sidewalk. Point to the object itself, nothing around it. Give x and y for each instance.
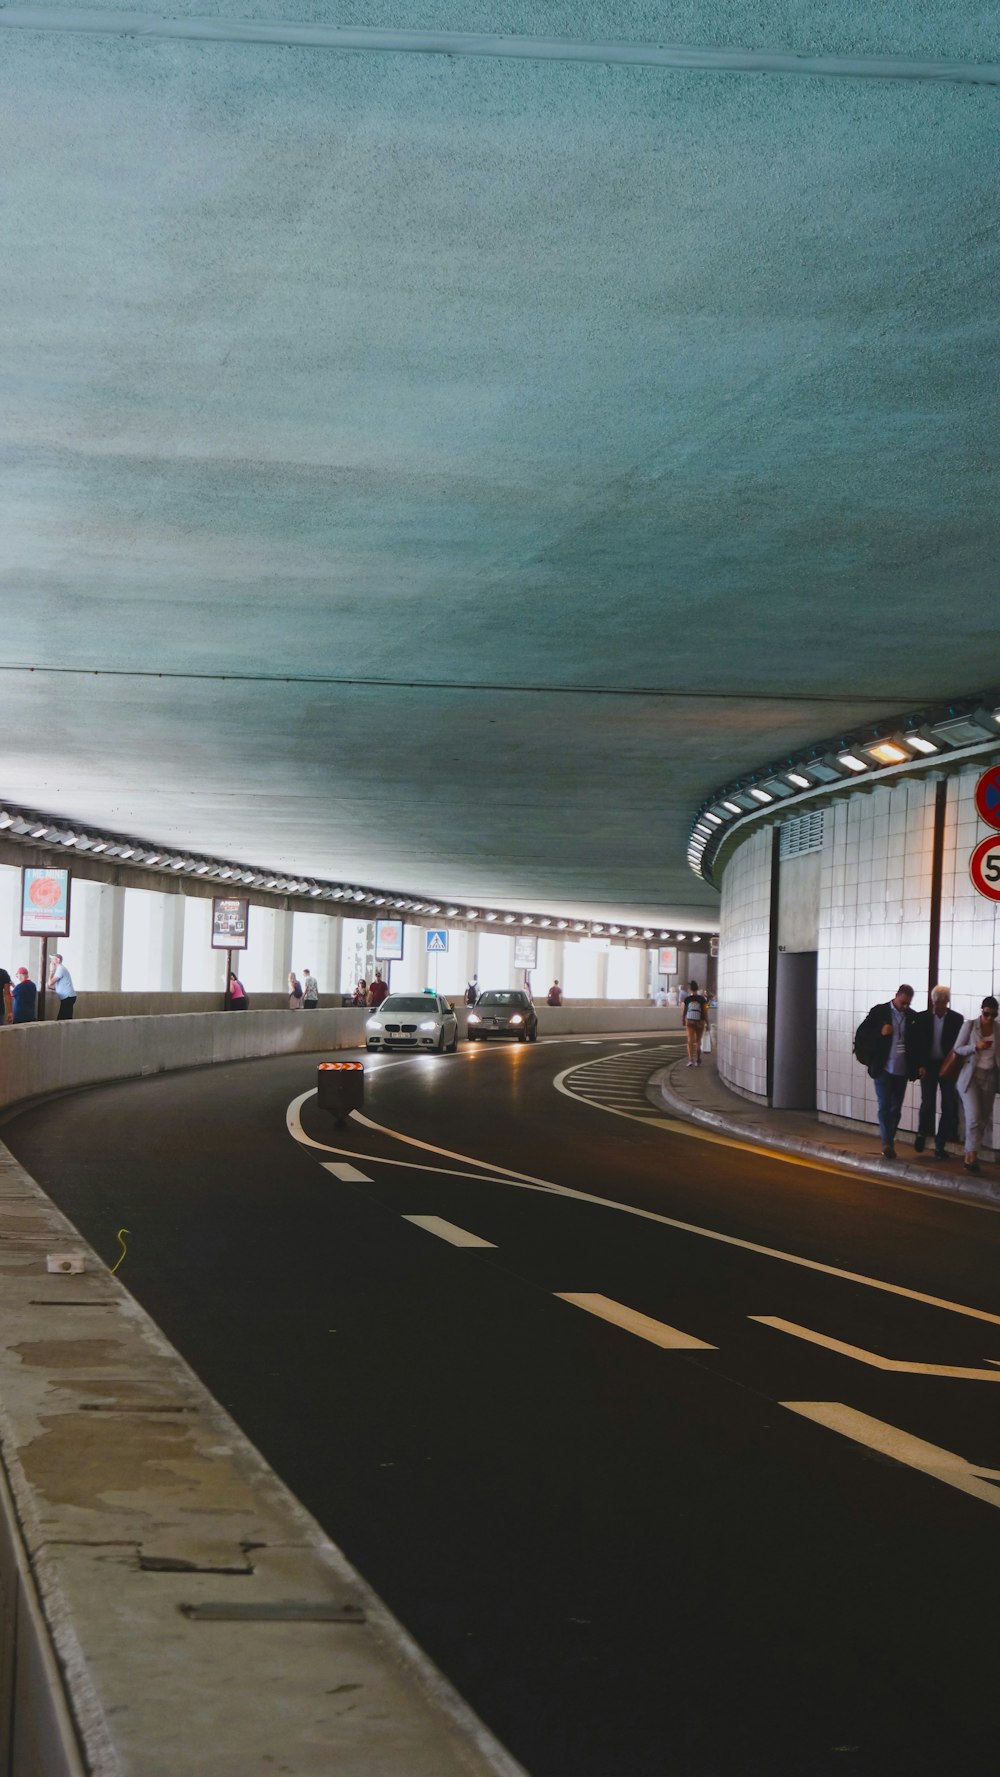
(700, 1096)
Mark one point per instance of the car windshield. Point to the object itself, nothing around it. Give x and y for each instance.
(399, 1002)
(502, 999)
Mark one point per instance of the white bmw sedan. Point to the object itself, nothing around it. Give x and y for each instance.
(413, 1021)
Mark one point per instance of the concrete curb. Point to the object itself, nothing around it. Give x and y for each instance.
(983, 1192)
(189, 1615)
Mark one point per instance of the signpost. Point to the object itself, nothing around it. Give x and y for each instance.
(44, 914)
(388, 944)
(668, 960)
(437, 945)
(230, 928)
(984, 864)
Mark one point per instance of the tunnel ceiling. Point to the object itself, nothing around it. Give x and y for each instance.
(444, 471)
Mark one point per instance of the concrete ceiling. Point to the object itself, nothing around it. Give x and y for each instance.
(492, 455)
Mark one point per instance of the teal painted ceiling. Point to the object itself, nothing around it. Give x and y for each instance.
(493, 456)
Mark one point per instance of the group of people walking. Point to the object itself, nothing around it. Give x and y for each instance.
(19, 997)
(948, 1054)
(370, 993)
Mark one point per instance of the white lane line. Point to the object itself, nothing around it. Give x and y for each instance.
(448, 1231)
(888, 1440)
(525, 1182)
(342, 1170)
(897, 1365)
(656, 1331)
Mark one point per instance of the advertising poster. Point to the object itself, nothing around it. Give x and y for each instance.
(230, 923)
(525, 953)
(388, 940)
(668, 960)
(44, 903)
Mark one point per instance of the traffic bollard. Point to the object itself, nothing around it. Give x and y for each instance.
(340, 1088)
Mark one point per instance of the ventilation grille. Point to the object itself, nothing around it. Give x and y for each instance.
(804, 833)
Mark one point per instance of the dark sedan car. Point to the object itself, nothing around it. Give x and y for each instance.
(506, 1013)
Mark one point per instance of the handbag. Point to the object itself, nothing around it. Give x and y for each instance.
(950, 1066)
(706, 1043)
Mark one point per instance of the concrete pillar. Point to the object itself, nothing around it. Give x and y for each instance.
(282, 956)
(107, 938)
(329, 958)
(172, 944)
(602, 975)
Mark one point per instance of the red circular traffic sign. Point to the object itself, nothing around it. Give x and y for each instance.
(988, 797)
(984, 867)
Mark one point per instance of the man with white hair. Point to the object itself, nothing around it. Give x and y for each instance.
(937, 1030)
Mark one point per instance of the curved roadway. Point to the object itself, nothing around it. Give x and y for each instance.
(681, 1459)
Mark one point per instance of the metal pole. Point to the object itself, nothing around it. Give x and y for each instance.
(41, 984)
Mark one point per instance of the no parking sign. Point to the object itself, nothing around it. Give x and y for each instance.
(988, 797)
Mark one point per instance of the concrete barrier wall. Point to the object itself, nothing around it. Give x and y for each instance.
(56, 1057)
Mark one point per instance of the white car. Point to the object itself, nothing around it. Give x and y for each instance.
(413, 1021)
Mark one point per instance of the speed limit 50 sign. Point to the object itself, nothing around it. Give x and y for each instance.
(984, 867)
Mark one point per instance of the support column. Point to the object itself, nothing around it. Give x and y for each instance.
(108, 938)
(282, 955)
(329, 958)
(172, 944)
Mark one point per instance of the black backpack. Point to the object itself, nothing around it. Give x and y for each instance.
(864, 1043)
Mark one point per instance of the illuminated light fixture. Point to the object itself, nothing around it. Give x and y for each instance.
(450, 912)
(545, 922)
(435, 909)
(471, 913)
(798, 778)
(95, 844)
(580, 926)
(761, 795)
(696, 939)
(614, 930)
(777, 786)
(561, 924)
(491, 917)
(528, 920)
(715, 819)
(38, 832)
(151, 857)
(920, 743)
(852, 761)
(733, 807)
(702, 826)
(596, 927)
(664, 935)
(647, 933)
(508, 919)
(631, 933)
(681, 935)
(886, 752)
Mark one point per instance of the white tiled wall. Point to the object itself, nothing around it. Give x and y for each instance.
(743, 957)
(874, 932)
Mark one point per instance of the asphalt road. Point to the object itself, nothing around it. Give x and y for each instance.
(754, 1531)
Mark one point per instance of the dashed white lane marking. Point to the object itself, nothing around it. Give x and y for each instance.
(871, 1358)
(525, 1182)
(342, 1170)
(888, 1440)
(448, 1231)
(656, 1331)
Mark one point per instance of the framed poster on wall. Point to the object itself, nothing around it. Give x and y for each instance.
(388, 940)
(668, 960)
(44, 903)
(526, 953)
(230, 922)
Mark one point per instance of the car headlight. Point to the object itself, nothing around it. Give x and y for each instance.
(474, 1018)
(374, 1024)
(516, 1018)
(428, 1024)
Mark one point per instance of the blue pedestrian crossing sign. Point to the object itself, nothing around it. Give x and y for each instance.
(436, 943)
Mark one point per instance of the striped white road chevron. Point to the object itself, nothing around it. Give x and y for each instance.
(618, 1082)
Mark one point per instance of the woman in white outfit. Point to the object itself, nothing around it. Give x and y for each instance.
(977, 1082)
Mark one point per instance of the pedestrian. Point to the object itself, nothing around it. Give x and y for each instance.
(554, 995)
(5, 998)
(472, 991)
(295, 995)
(310, 989)
(695, 1023)
(360, 997)
(977, 1082)
(25, 999)
(938, 1027)
(378, 990)
(237, 999)
(61, 983)
(887, 1041)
